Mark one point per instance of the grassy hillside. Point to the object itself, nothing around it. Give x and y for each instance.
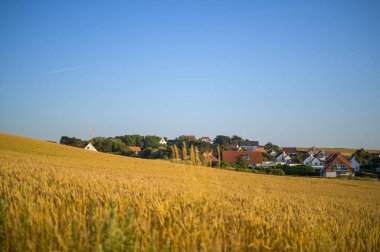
(57, 197)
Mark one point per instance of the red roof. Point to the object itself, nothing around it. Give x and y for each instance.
(255, 157)
(289, 150)
(135, 148)
(260, 149)
(332, 159)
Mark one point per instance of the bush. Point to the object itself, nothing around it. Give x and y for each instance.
(278, 172)
(299, 170)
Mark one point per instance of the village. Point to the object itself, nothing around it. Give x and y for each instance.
(235, 152)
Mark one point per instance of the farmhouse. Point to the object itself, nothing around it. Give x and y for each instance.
(90, 147)
(252, 158)
(163, 141)
(136, 149)
(336, 165)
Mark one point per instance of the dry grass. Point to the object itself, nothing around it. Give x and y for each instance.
(61, 198)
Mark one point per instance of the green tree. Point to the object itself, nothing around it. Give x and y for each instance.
(222, 140)
(236, 139)
(72, 141)
(152, 141)
(362, 156)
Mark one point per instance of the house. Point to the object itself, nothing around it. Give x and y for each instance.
(312, 151)
(260, 149)
(290, 150)
(205, 139)
(273, 153)
(207, 156)
(283, 158)
(249, 145)
(90, 147)
(355, 164)
(315, 162)
(233, 147)
(135, 149)
(252, 158)
(163, 141)
(337, 165)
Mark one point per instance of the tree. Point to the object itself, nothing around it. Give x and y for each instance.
(72, 141)
(271, 147)
(132, 140)
(362, 156)
(240, 162)
(222, 140)
(236, 139)
(297, 158)
(152, 141)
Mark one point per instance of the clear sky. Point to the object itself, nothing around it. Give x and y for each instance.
(296, 73)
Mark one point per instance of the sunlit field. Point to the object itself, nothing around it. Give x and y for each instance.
(60, 198)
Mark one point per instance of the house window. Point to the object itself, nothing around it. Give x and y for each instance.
(337, 166)
(246, 157)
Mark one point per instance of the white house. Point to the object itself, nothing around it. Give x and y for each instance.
(206, 139)
(163, 141)
(273, 153)
(283, 158)
(315, 162)
(307, 161)
(90, 147)
(355, 164)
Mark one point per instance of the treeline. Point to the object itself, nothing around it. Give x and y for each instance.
(117, 145)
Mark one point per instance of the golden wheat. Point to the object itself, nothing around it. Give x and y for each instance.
(59, 198)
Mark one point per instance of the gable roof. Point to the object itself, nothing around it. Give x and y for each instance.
(208, 155)
(255, 157)
(134, 148)
(335, 158)
(206, 138)
(261, 149)
(90, 147)
(249, 143)
(289, 149)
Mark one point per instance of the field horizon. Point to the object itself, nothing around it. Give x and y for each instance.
(62, 198)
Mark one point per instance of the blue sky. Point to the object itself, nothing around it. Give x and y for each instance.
(296, 73)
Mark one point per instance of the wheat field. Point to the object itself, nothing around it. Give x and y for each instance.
(60, 198)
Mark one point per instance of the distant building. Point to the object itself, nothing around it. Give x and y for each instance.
(355, 164)
(233, 147)
(135, 149)
(337, 165)
(163, 141)
(207, 156)
(249, 145)
(273, 153)
(252, 158)
(90, 147)
(289, 150)
(283, 158)
(206, 139)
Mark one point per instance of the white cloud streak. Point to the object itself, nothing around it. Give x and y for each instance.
(65, 69)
